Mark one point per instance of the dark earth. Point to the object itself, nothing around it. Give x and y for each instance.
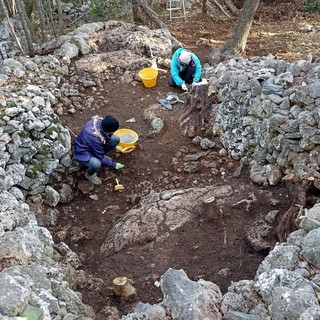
(212, 247)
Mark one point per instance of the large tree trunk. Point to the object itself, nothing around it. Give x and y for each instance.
(237, 43)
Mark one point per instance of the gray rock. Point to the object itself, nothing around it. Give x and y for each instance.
(310, 249)
(186, 299)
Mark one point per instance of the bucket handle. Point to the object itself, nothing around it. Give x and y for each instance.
(127, 149)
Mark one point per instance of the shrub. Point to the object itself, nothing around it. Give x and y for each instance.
(108, 9)
(312, 5)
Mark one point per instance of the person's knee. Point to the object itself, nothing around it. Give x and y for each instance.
(171, 82)
(95, 164)
(114, 141)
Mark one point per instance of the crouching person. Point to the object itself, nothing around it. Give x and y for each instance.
(92, 144)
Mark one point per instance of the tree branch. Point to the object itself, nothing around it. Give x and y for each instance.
(220, 7)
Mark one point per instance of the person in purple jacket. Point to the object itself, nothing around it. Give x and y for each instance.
(92, 144)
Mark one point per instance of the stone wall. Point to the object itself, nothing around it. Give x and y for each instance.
(268, 115)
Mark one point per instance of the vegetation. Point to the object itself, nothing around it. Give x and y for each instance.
(108, 10)
(312, 5)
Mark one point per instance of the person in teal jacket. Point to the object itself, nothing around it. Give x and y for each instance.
(185, 69)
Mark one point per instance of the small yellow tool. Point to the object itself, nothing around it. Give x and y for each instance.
(118, 186)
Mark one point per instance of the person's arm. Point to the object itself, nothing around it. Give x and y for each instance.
(197, 74)
(174, 68)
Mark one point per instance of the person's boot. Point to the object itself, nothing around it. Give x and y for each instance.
(93, 178)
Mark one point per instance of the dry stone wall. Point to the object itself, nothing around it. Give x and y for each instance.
(269, 115)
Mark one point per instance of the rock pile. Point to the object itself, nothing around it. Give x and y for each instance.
(269, 114)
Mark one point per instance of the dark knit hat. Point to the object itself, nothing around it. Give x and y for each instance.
(109, 124)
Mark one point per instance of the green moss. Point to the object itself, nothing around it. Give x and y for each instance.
(51, 132)
(34, 169)
(23, 134)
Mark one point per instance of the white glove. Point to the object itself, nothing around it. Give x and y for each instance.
(184, 87)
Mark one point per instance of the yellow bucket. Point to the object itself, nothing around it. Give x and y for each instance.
(128, 139)
(149, 77)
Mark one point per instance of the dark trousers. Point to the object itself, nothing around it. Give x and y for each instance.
(187, 75)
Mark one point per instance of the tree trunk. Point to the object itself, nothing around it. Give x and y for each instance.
(60, 15)
(233, 9)
(10, 7)
(51, 18)
(221, 8)
(29, 7)
(237, 44)
(136, 12)
(25, 27)
(29, 24)
(204, 6)
(151, 14)
(41, 17)
(4, 9)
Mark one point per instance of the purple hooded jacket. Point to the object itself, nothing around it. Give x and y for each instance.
(88, 145)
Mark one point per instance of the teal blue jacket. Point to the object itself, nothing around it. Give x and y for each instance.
(176, 67)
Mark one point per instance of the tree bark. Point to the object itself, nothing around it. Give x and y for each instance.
(51, 18)
(60, 15)
(41, 17)
(237, 43)
(220, 7)
(25, 27)
(233, 9)
(136, 12)
(4, 9)
(204, 6)
(151, 14)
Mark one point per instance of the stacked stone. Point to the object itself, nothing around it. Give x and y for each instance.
(269, 114)
(33, 141)
(34, 144)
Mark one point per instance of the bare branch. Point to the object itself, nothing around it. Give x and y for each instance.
(220, 7)
(233, 9)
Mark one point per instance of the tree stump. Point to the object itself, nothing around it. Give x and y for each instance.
(123, 288)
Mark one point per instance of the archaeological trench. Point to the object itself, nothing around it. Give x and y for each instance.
(265, 113)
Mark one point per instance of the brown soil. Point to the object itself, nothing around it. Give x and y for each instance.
(210, 243)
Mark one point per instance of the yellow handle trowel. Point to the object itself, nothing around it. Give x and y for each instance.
(118, 186)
